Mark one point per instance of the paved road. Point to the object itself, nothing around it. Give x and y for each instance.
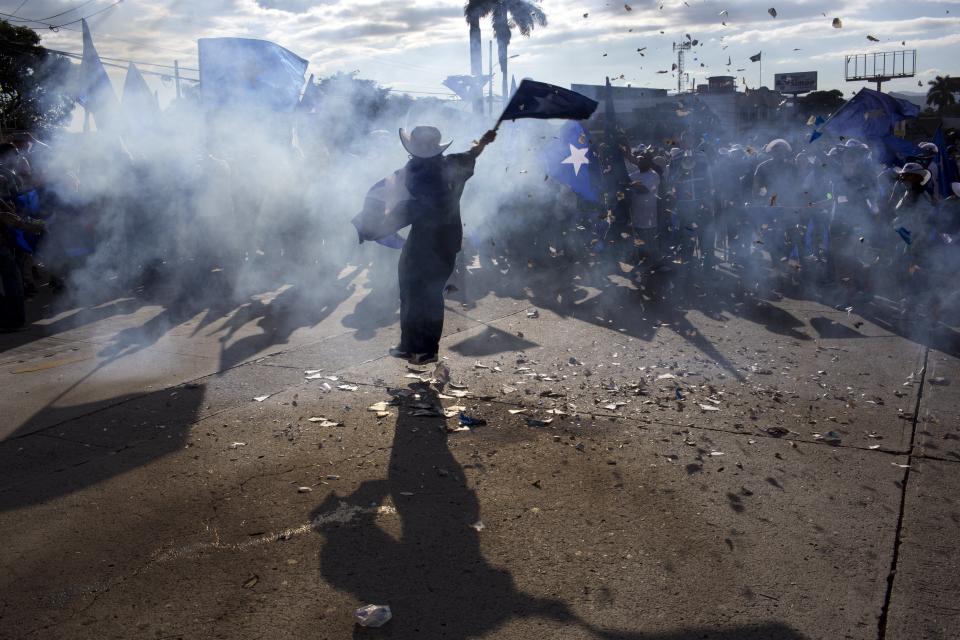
(718, 465)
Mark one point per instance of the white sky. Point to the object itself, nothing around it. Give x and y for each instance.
(413, 45)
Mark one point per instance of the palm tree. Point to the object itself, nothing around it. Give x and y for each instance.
(507, 14)
(940, 94)
(474, 11)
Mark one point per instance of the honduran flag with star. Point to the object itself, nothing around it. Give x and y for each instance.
(570, 160)
(544, 101)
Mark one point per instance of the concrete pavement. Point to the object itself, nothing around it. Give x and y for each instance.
(719, 466)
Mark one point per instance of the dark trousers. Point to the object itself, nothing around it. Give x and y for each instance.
(423, 276)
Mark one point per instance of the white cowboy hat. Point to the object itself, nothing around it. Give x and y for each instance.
(856, 145)
(778, 144)
(914, 168)
(423, 142)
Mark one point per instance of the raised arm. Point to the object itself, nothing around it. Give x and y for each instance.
(487, 138)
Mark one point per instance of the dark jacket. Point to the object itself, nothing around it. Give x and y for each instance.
(436, 185)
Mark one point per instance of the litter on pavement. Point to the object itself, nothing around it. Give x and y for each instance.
(373, 615)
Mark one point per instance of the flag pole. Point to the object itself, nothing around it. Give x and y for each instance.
(761, 70)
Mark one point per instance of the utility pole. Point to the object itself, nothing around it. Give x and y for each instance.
(176, 77)
(490, 92)
(681, 50)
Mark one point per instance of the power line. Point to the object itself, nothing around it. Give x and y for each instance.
(87, 17)
(56, 27)
(426, 93)
(112, 62)
(63, 13)
(20, 6)
(79, 56)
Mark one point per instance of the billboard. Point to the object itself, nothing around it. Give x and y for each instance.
(800, 82)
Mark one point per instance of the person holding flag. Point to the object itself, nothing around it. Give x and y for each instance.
(435, 183)
(425, 195)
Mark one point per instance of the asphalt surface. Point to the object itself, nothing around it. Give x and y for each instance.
(722, 464)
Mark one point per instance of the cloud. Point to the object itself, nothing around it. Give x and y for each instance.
(289, 6)
(419, 42)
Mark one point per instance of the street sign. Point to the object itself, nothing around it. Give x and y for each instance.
(800, 82)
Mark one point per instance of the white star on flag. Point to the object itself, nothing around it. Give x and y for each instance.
(578, 158)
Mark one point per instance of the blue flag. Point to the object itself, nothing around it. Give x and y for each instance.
(946, 165)
(571, 161)
(385, 211)
(871, 115)
(139, 104)
(243, 72)
(540, 100)
(95, 93)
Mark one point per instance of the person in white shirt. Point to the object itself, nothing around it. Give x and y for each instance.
(644, 201)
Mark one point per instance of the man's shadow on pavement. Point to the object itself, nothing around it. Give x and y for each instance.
(434, 577)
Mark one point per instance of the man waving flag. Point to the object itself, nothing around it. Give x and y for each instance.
(389, 205)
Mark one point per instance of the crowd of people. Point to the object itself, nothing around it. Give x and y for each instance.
(834, 213)
(824, 214)
(821, 214)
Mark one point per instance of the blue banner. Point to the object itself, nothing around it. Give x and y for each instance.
(242, 72)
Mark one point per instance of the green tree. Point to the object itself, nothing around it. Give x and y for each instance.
(346, 107)
(940, 94)
(474, 11)
(820, 103)
(523, 15)
(365, 99)
(35, 84)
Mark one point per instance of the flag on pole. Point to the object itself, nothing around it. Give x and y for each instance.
(386, 210)
(572, 162)
(138, 101)
(947, 173)
(756, 58)
(243, 72)
(95, 93)
(540, 100)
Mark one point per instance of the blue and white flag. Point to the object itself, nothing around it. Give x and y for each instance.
(139, 103)
(543, 101)
(571, 161)
(242, 72)
(386, 210)
(95, 93)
